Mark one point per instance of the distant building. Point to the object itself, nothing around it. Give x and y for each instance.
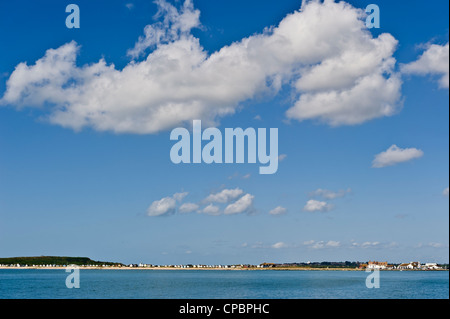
(377, 265)
(410, 266)
(431, 266)
(267, 265)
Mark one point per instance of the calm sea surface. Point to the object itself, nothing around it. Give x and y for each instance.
(209, 284)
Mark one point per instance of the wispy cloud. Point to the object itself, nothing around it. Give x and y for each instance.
(239, 176)
(373, 245)
(327, 194)
(432, 245)
(279, 245)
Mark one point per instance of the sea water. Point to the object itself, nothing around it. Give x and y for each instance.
(222, 284)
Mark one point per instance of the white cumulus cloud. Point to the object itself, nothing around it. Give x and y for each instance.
(338, 72)
(434, 61)
(211, 210)
(166, 205)
(188, 208)
(242, 205)
(224, 196)
(395, 155)
(313, 205)
(279, 210)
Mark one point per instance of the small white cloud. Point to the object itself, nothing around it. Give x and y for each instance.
(129, 6)
(246, 176)
(434, 61)
(211, 210)
(317, 206)
(188, 252)
(225, 196)
(188, 208)
(257, 117)
(308, 242)
(279, 245)
(281, 157)
(395, 155)
(166, 205)
(243, 204)
(278, 211)
(445, 192)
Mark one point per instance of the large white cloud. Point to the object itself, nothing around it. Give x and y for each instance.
(434, 61)
(395, 155)
(339, 73)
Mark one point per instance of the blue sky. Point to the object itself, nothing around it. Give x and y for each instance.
(362, 117)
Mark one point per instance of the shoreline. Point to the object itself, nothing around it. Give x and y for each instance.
(212, 268)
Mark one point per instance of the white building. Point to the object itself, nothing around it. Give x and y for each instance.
(431, 266)
(411, 265)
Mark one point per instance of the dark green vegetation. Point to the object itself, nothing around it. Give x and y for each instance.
(52, 260)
